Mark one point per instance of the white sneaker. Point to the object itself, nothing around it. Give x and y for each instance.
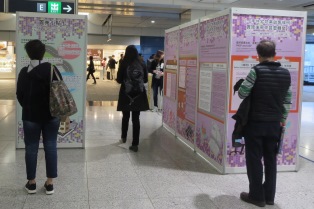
(155, 109)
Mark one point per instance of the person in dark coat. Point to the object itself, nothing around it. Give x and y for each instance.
(112, 66)
(127, 104)
(91, 69)
(121, 58)
(156, 68)
(32, 91)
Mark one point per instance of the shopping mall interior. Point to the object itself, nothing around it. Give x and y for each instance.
(167, 172)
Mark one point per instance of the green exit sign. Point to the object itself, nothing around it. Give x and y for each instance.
(54, 7)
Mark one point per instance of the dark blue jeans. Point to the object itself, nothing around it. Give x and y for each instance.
(158, 83)
(49, 131)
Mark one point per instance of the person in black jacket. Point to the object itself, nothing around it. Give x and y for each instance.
(268, 86)
(91, 69)
(33, 90)
(112, 66)
(156, 68)
(121, 58)
(134, 103)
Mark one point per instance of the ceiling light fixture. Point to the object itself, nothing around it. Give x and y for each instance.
(83, 13)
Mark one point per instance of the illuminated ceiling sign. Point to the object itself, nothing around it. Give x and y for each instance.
(53, 7)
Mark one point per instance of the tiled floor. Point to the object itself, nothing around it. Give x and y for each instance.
(164, 174)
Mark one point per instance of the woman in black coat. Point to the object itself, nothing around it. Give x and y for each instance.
(91, 69)
(129, 102)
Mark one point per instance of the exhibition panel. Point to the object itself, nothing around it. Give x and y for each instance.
(212, 87)
(287, 29)
(65, 40)
(187, 75)
(170, 80)
(214, 54)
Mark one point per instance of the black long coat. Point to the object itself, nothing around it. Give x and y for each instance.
(141, 102)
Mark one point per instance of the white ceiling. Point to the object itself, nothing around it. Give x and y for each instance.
(169, 13)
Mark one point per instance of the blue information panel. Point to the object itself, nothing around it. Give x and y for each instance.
(55, 7)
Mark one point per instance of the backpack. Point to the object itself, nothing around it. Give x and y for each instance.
(134, 81)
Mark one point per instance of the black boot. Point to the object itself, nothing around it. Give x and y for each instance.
(133, 148)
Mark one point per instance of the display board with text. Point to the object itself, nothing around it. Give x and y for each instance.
(212, 88)
(187, 80)
(170, 78)
(65, 39)
(287, 29)
(225, 44)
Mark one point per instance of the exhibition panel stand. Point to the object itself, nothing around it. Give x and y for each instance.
(187, 79)
(170, 79)
(212, 87)
(65, 40)
(226, 46)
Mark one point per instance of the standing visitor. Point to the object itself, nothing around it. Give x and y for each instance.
(104, 63)
(268, 85)
(156, 68)
(33, 90)
(112, 66)
(91, 69)
(142, 59)
(132, 75)
(121, 59)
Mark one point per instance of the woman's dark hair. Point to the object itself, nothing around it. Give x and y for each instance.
(266, 49)
(91, 57)
(35, 49)
(158, 55)
(131, 54)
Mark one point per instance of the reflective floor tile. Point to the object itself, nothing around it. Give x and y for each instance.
(122, 204)
(40, 204)
(201, 201)
(114, 188)
(65, 170)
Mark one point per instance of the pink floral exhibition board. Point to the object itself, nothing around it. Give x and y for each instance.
(288, 33)
(212, 87)
(187, 81)
(170, 78)
(65, 40)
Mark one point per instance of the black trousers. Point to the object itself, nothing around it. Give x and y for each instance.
(261, 140)
(158, 83)
(136, 125)
(92, 74)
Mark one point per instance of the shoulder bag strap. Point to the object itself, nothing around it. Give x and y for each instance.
(54, 71)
